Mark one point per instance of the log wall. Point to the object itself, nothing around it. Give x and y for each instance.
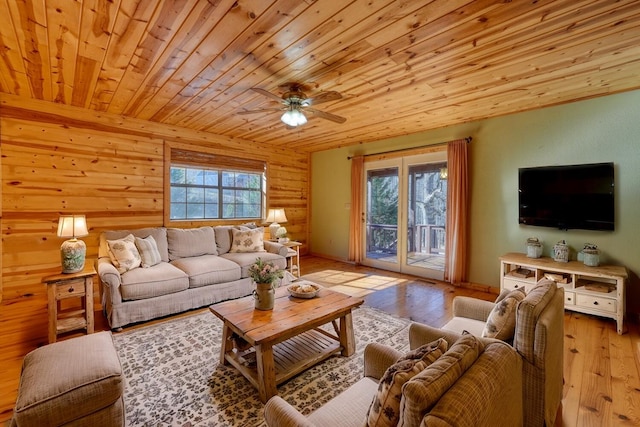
(63, 160)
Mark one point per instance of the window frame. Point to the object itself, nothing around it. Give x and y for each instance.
(202, 160)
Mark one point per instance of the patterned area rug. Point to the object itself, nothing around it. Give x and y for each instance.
(173, 377)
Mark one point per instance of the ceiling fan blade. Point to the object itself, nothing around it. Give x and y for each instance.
(322, 97)
(325, 115)
(267, 94)
(262, 110)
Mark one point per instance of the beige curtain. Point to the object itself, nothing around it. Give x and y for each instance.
(455, 267)
(355, 220)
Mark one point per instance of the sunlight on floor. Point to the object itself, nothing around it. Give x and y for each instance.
(354, 284)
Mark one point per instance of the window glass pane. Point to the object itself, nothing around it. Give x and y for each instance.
(195, 211)
(211, 195)
(211, 178)
(195, 176)
(211, 210)
(178, 175)
(178, 194)
(242, 180)
(178, 210)
(228, 179)
(195, 195)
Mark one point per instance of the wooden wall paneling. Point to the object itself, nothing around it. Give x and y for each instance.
(61, 159)
(50, 169)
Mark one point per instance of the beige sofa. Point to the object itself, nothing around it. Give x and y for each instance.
(539, 335)
(476, 382)
(191, 268)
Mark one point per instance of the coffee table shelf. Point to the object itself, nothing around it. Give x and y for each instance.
(291, 357)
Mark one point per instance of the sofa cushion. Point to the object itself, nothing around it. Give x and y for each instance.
(501, 323)
(423, 391)
(208, 270)
(251, 240)
(245, 259)
(159, 235)
(148, 250)
(68, 380)
(385, 408)
(348, 408)
(161, 279)
(223, 238)
(187, 242)
(124, 254)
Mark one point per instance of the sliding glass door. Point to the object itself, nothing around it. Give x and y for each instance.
(406, 202)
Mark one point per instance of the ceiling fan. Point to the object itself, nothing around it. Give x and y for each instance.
(295, 103)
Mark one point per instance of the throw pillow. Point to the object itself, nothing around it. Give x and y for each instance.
(501, 323)
(385, 408)
(424, 390)
(124, 254)
(148, 250)
(247, 240)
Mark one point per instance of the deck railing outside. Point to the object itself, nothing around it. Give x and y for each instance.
(423, 238)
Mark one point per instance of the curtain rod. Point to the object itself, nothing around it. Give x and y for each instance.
(468, 139)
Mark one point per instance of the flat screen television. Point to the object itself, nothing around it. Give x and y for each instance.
(567, 197)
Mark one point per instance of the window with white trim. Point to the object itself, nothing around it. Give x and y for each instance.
(206, 186)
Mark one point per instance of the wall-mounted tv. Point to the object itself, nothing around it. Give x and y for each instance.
(567, 197)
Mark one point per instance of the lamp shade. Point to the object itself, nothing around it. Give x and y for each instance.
(72, 226)
(276, 215)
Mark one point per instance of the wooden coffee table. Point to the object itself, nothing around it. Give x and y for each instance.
(270, 347)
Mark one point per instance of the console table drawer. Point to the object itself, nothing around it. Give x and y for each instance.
(604, 304)
(569, 298)
(512, 284)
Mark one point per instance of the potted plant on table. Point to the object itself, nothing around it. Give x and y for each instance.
(265, 275)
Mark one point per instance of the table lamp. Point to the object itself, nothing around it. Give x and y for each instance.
(275, 216)
(72, 251)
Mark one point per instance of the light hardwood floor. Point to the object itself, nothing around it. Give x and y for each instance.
(602, 386)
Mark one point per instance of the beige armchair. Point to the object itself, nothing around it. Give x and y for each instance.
(468, 398)
(538, 339)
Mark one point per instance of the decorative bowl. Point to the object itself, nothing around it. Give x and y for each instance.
(303, 289)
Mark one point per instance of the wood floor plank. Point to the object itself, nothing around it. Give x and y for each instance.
(574, 355)
(595, 398)
(624, 381)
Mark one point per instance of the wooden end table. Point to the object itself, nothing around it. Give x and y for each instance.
(293, 257)
(62, 286)
(270, 347)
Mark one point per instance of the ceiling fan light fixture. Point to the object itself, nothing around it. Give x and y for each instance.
(293, 117)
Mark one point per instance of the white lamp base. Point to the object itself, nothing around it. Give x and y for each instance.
(273, 229)
(72, 254)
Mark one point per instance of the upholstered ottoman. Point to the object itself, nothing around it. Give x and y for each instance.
(73, 382)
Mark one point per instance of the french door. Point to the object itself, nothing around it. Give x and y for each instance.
(405, 214)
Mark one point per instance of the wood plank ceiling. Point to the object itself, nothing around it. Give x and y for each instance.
(402, 66)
